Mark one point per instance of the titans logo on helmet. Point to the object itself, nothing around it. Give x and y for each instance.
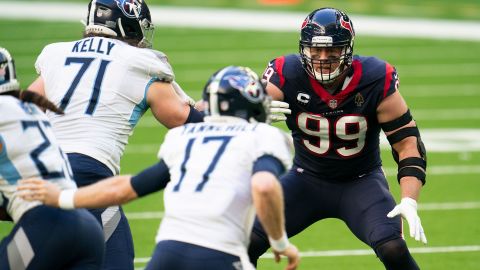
(128, 6)
(246, 86)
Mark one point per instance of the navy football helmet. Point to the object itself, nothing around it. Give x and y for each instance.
(8, 76)
(327, 28)
(236, 91)
(128, 19)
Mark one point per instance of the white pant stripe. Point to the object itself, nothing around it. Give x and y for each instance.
(19, 251)
(110, 220)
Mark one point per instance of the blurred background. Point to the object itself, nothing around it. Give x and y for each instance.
(434, 44)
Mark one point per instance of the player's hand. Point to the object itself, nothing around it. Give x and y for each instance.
(278, 109)
(408, 210)
(34, 189)
(292, 255)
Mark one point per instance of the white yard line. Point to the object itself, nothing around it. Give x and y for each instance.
(422, 207)
(232, 19)
(436, 140)
(363, 252)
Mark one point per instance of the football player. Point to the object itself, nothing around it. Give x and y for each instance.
(221, 172)
(43, 237)
(105, 82)
(339, 104)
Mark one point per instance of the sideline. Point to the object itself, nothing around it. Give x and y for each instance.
(233, 19)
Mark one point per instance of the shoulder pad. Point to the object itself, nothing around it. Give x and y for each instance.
(157, 66)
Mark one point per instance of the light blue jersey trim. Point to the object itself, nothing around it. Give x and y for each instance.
(7, 170)
(142, 107)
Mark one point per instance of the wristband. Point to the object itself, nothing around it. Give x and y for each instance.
(66, 199)
(281, 244)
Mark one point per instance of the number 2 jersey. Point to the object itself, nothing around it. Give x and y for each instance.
(336, 137)
(101, 85)
(28, 149)
(208, 200)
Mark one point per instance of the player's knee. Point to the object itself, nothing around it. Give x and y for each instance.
(258, 245)
(395, 255)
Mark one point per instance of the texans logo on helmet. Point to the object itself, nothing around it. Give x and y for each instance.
(304, 23)
(127, 7)
(346, 25)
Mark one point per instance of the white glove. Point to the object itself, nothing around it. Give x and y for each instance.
(408, 209)
(278, 109)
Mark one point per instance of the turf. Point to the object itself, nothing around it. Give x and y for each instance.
(438, 79)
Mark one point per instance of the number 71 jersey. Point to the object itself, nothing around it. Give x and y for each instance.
(101, 85)
(336, 136)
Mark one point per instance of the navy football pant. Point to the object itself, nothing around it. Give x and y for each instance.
(177, 255)
(51, 238)
(119, 252)
(362, 204)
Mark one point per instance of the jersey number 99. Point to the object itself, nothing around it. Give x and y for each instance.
(341, 132)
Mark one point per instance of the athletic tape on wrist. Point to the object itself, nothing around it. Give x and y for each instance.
(66, 199)
(281, 244)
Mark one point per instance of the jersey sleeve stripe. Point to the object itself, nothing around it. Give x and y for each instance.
(388, 78)
(279, 62)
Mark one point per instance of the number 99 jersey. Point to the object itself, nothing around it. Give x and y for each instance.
(336, 136)
(28, 148)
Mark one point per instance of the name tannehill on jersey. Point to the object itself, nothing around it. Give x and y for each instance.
(335, 135)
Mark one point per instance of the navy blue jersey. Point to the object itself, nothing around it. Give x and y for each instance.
(335, 136)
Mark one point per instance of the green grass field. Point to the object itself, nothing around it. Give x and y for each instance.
(439, 79)
(444, 9)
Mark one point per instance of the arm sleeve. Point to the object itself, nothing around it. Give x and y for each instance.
(194, 116)
(151, 179)
(274, 72)
(270, 164)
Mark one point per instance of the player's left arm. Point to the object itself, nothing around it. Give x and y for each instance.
(409, 153)
(111, 191)
(407, 146)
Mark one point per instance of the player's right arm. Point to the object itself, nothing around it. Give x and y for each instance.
(168, 108)
(111, 191)
(274, 91)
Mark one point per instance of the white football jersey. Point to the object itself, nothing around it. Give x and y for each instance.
(28, 149)
(101, 84)
(208, 200)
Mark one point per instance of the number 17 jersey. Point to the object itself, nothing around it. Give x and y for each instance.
(208, 200)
